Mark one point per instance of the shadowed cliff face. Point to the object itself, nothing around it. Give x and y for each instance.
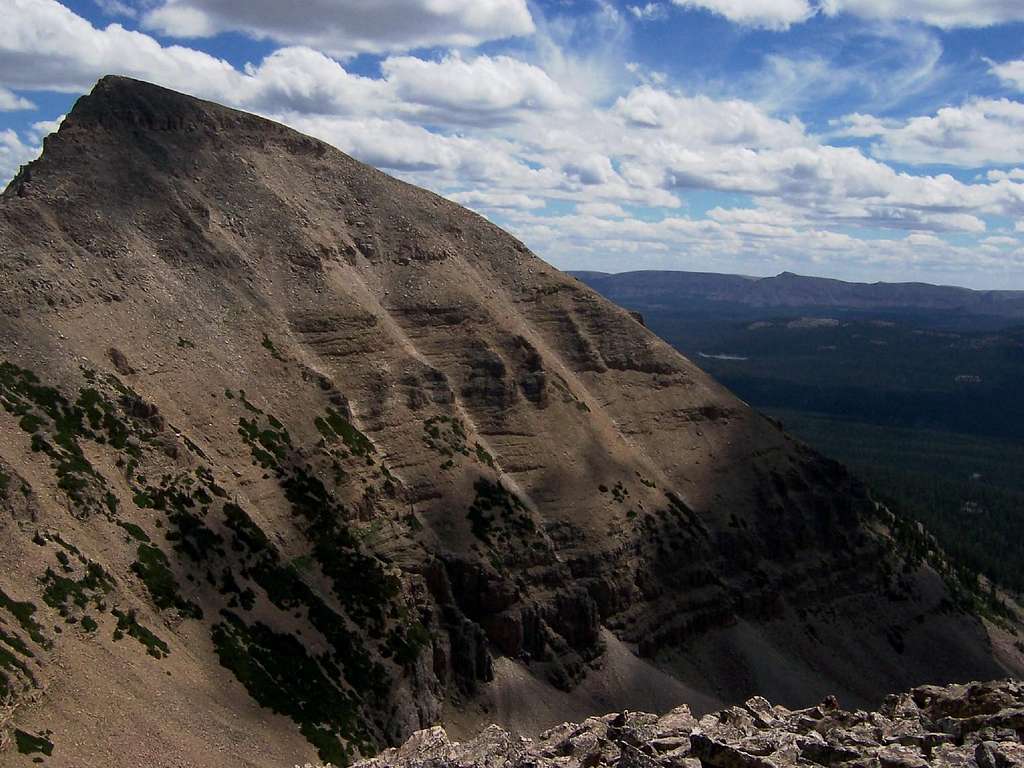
(293, 452)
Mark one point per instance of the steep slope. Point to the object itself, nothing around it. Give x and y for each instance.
(295, 457)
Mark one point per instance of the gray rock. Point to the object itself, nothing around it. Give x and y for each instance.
(967, 726)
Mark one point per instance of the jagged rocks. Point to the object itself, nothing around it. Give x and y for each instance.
(969, 726)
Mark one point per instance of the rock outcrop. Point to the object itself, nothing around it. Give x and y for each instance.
(978, 725)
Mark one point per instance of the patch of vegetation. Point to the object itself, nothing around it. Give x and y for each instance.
(194, 448)
(239, 596)
(447, 436)
(334, 426)
(204, 474)
(269, 446)
(620, 492)
(57, 426)
(154, 570)
(483, 456)
(495, 509)
(184, 343)
(89, 623)
(24, 614)
(134, 531)
(193, 538)
(185, 506)
(405, 643)
(369, 596)
(68, 547)
(128, 624)
(278, 672)
(29, 744)
(682, 512)
(359, 580)
(249, 405)
(61, 592)
(39, 407)
(913, 545)
(31, 423)
(268, 345)
(286, 590)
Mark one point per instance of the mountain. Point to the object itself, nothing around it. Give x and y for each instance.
(787, 290)
(296, 458)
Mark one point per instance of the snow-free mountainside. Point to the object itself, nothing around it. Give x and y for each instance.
(297, 459)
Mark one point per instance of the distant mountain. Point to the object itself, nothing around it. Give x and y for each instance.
(296, 458)
(788, 290)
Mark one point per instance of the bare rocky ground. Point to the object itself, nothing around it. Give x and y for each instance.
(297, 459)
(979, 725)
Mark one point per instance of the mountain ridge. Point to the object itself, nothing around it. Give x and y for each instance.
(789, 290)
(310, 457)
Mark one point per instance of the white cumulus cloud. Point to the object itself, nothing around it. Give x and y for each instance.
(481, 86)
(978, 133)
(769, 14)
(10, 102)
(45, 46)
(1011, 73)
(345, 27)
(782, 14)
(940, 13)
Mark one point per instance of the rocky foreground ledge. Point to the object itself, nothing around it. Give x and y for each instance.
(978, 724)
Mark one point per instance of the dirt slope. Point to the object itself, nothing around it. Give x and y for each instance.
(291, 452)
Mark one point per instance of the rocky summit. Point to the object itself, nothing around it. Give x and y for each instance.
(980, 725)
(297, 459)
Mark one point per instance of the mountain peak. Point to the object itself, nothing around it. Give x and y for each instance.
(127, 122)
(118, 101)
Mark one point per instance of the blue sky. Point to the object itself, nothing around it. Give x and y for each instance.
(860, 139)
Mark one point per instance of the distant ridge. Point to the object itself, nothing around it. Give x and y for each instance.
(791, 290)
